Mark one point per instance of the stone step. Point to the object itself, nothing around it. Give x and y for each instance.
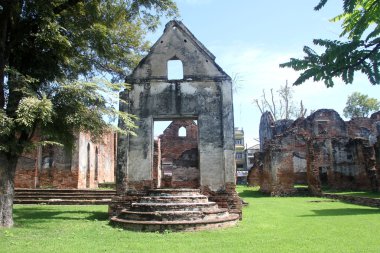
(174, 199)
(177, 225)
(174, 209)
(173, 215)
(64, 202)
(63, 191)
(63, 196)
(149, 207)
(175, 192)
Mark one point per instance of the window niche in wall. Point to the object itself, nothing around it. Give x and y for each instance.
(322, 127)
(175, 70)
(182, 132)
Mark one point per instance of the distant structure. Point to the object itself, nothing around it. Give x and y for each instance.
(85, 166)
(249, 155)
(243, 156)
(321, 150)
(241, 171)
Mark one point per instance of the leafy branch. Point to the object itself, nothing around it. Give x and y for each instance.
(343, 58)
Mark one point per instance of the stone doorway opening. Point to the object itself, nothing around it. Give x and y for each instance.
(323, 175)
(176, 153)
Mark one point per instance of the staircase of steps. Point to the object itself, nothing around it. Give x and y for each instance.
(63, 196)
(174, 210)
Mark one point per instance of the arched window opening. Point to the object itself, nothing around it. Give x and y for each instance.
(182, 132)
(175, 70)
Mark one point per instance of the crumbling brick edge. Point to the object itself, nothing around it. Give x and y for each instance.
(226, 198)
(364, 201)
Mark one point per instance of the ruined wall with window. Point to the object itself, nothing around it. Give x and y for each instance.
(83, 166)
(320, 151)
(179, 155)
(200, 91)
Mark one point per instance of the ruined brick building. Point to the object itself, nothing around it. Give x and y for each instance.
(83, 166)
(200, 91)
(320, 150)
(179, 155)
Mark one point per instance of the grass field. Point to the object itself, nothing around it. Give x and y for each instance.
(294, 224)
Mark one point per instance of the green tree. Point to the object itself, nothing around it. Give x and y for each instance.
(46, 46)
(360, 105)
(358, 49)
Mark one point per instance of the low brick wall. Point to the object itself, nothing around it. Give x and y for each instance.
(120, 202)
(364, 201)
(46, 178)
(227, 198)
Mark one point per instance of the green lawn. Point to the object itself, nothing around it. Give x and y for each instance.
(294, 224)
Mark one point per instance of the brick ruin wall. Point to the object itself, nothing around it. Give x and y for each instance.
(84, 166)
(321, 150)
(96, 160)
(228, 198)
(179, 154)
(46, 167)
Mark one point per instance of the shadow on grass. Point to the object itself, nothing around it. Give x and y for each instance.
(252, 194)
(343, 212)
(37, 215)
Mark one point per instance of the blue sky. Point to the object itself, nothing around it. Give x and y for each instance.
(250, 38)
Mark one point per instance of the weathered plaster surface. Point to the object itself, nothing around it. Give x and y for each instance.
(204, 94)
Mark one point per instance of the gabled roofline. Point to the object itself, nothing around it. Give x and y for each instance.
(179, 25)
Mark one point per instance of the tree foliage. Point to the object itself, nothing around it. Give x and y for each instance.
(47, 46)
(358, 49)
(360, 105)
(50, 52)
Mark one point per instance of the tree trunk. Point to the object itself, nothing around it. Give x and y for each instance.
(7, 174)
